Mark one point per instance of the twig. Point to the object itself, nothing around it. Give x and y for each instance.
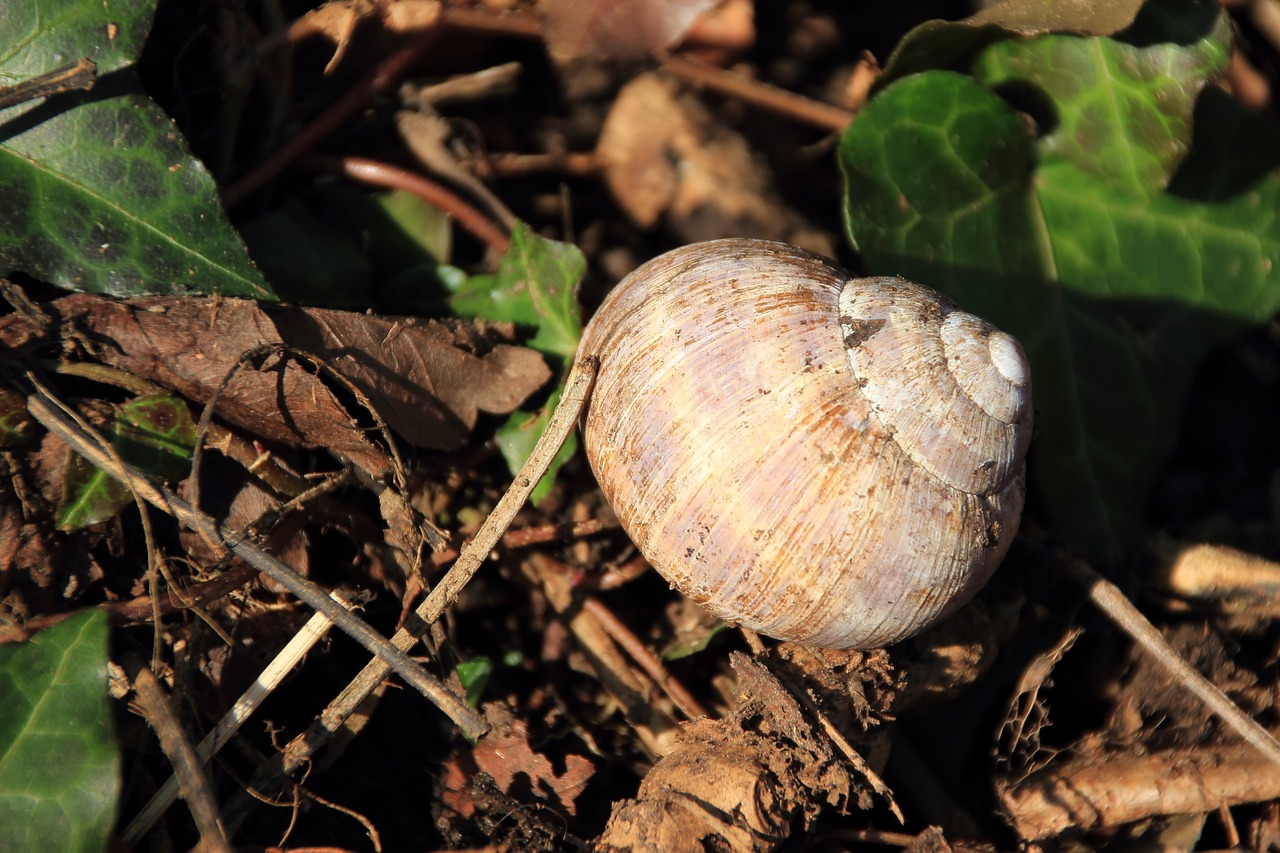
(385, 175)
(525, 536)
(283, 663)
(379, 80)
(630, 689)
(474, 553)
(1103, 791)
(1108, 598)
(476, 86)
(789, 104)
(80, 75)
(647, 660)
(515, 23)
(138, 609)
(155, 706)
(575, 164)
(389, 656)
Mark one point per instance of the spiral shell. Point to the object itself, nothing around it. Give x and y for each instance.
(828, 460)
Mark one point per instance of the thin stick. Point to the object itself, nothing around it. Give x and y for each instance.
(1108, 598)
(139, 609)
(308, 592)
(342, 110)
(474, 553)
(789, 104)
(81, 75)
(386, 175)
(195, 788)
(647, 660)
(283, 663)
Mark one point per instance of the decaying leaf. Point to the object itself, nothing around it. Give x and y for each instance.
(427, 380)
(338, 21)
(666, 156)
(744, 782)
(617, 29)
(516, 768)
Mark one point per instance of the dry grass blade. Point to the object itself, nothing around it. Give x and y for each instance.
(474, 553)
(283, 663)
(57, 422)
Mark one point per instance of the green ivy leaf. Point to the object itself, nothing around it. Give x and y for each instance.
(1122, 112)
(100, 192)
(1115, 271)
(155, 434)
(536, 287)
(59, 762)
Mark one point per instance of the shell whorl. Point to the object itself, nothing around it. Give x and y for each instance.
(922, 363)
(742, 431)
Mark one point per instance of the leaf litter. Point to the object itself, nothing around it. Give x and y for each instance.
(797, 740)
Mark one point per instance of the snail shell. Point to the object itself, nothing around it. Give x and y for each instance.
(828, 460)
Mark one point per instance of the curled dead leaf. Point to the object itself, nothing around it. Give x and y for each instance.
(428, 380)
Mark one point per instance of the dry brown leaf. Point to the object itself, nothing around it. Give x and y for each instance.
(1033, 17)
(517, 770)
(287, 543)
(666, 156)
(616, 29)
(416, 373)
(427, 380)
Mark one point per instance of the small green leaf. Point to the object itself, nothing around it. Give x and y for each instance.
(694, 645)
(953, 44)
(536, 287)
(521, 432)
(153, 433)
(1122, 112)
(100, 192)
(474, 675)
(90, 495)
(59, 762)
(428, 227)
(156, 434)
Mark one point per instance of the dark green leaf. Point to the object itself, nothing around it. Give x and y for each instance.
(59, 763)
(521, 432)
(1114, 285)
(101, 193)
